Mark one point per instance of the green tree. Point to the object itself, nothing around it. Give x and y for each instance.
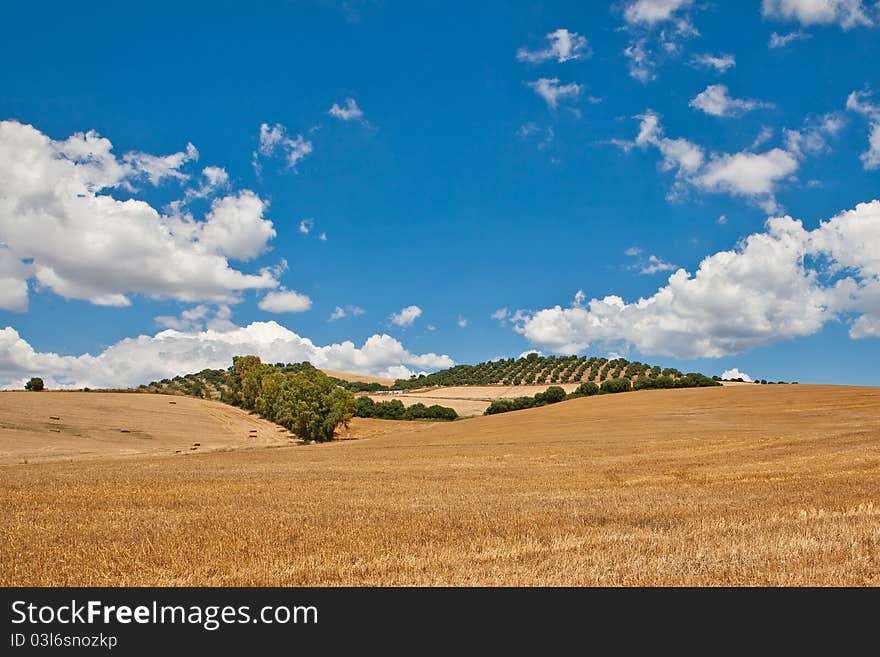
(35, 384)
(616, 385)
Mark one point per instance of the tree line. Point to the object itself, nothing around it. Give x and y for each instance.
(555, 394)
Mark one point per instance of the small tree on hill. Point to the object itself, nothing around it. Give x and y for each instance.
(35, 384)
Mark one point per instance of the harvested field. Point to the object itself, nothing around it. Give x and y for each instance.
(44, 426)
(744, 485)
(468, 401)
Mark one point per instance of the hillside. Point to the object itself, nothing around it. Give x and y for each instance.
(44, 426)
(532, 370)
(739, 485)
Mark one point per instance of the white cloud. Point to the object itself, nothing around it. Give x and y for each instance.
(274, 140)
(734, 373)
(656, 265)
(783, 283)
(341, 312)
(500, 314)
(657, 28)
(134, 361)
(720, 63)
(306, 225)
(650, 265)
(752, 175)
(641, 63)
(235, 226)
(858, 101)
(348, 111)
(285, 301)
(652, 12)
(462, 322)
(323, 237)
(782, 40)
(406, 316)
(563, 46)
(845, 13)
(14, 275)
(812, 137)
(748, 174)
(158, 167)
(213, 179)
(722, 220)
(714, 100)
(190, 319)
(57, 212)
(552, 92)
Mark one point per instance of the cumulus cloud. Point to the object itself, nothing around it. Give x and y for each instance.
(782, 40)
(734, 373)
(285, 301)
(552, 92)
(306, 225)
(274, 141)
(58, 213)
(845, 13)
(720, 63)
(462, 322)
(348, 111)
(14, 275)
(134, 361)
(656, 29)
(858, 101)
(716, 101)
(562, 47)
(779, 284)
(752, 175)
(406, 316)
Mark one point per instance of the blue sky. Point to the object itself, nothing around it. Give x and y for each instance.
(522, 156)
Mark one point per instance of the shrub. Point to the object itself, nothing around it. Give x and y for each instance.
(586, 389)
(616, 385)
(552, 395)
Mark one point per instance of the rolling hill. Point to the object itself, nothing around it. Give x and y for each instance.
(735, 485)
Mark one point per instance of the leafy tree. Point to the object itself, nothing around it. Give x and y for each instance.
(35, 384)
(552, 395)
(586, 389)
(616, 385)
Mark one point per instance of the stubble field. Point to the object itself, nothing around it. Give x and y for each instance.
(744, 485)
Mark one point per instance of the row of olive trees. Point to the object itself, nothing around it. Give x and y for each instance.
(555, 394)
(306, 402)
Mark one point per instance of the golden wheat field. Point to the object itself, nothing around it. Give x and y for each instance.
(745, 485)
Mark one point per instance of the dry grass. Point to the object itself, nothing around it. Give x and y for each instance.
(735, 485)
(469, 401)
(46, 426)
(360, 378)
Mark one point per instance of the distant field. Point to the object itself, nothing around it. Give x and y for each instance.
(468, 401)
(745, 485)
(51, 426)
(360, 378)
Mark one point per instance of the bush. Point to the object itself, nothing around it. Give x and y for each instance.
(552, 395)
(586, 389)
(616, 385)
(34, 385)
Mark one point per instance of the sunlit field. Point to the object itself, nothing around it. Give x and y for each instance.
(739, 485)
